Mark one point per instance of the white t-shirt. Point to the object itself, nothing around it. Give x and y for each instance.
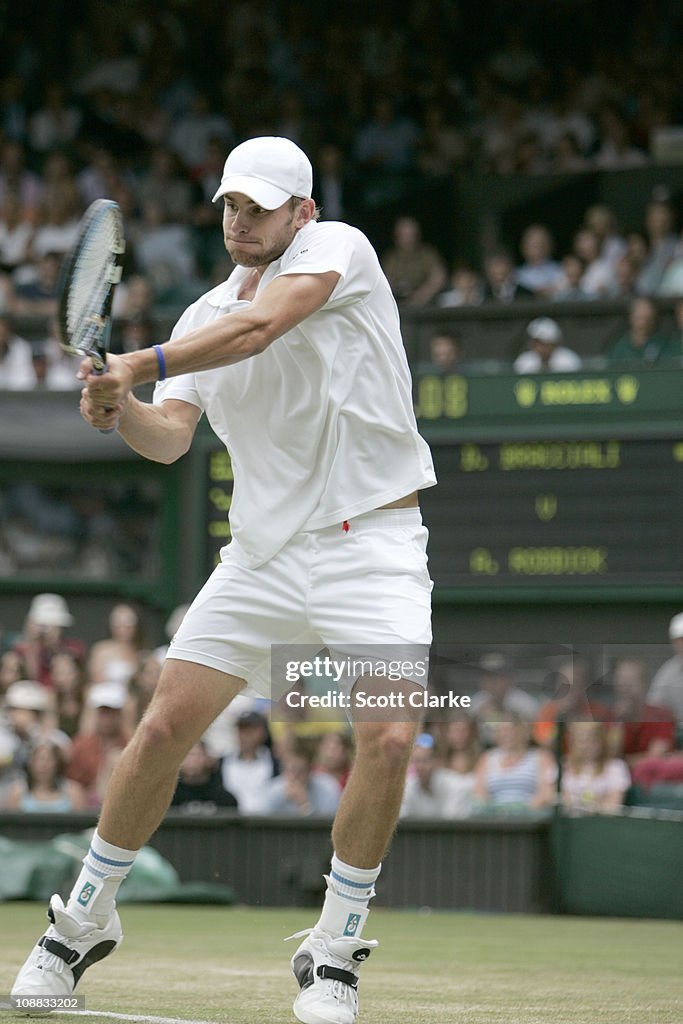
(562, 360)
(667, 687)
(585, 789)
(16, 368)
(14, 243)
(249, 780)
(450, 796)
(320, 427)
(55, 238)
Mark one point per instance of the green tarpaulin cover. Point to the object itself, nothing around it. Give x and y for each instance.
(36, 870)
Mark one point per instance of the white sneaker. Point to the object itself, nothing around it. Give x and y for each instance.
(327, 970)
(68, 947)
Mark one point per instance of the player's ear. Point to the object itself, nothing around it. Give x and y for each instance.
(305, 212)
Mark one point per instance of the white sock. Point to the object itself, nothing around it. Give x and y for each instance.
(349, 890)
(356, 884)
(105, 866)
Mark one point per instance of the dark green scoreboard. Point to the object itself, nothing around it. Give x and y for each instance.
(556, 484)
(571, 511)
(553, 485)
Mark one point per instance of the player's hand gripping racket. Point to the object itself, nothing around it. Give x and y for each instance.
(90, 273)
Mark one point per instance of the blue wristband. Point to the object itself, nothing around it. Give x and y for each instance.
(161, 359)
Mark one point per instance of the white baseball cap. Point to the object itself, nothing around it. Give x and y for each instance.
(495, 664)
(545, 329)
(107, 695)
(50, 610)
(269, 170)
(676, 627)
(27, 695)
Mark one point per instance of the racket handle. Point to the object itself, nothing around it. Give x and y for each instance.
(103, 369)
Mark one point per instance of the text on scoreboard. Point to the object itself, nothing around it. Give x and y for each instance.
(219, 483)
(568, 511)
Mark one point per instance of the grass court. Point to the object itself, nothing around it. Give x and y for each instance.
(230, 965)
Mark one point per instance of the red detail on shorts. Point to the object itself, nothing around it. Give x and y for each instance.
(345, 526)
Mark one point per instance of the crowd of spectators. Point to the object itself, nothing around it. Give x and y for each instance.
(393, 95)
(512, 753)
(68, 709)
(602, 262)
(85, 530)
(638, 268)
(644, 343)
(142, 111)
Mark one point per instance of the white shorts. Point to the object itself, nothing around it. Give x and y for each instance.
(347, 590)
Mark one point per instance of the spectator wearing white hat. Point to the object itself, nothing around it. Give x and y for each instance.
(94, 754)
(545, 353)
(667, 686)
(44, 636)
(28, 707)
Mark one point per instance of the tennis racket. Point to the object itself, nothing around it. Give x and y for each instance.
(91, 272)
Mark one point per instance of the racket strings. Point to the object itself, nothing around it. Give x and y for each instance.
(92, 274)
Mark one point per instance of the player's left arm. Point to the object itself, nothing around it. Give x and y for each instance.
(282, 304)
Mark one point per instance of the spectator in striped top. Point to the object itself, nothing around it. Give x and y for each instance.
(514, 775)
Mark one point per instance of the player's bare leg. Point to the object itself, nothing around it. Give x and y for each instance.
(328, 961)
(382, 754)
(187, 699)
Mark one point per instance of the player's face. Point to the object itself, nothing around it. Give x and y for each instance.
(255, 237)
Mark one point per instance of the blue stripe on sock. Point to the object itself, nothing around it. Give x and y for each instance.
(353, 885)
(95, 872)
(364, 900)
(112, 863)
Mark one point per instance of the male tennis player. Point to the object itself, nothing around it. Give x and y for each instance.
(298, 363)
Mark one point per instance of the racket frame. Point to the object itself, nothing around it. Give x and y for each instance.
(94, 337)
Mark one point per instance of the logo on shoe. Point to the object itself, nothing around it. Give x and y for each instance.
(86, 894)
(361, 954)
(352, 924)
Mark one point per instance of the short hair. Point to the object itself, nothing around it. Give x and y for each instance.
(296, 201)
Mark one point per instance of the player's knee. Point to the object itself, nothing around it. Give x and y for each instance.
(397, 742)
(390, 742)
(157, 733)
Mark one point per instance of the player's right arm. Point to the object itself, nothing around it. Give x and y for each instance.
(161, 433)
